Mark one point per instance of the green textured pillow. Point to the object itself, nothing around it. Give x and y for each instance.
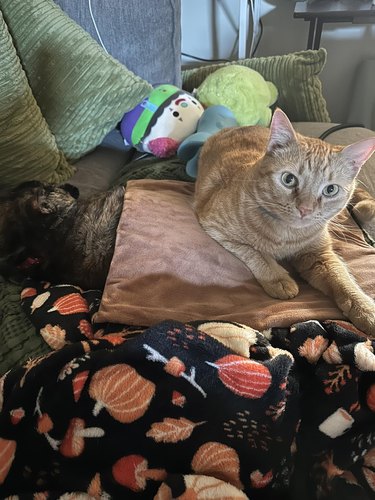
(296, 77)
(28, 150)
(18, 338)
(82, 92)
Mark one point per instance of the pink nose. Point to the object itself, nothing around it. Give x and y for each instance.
(304, 211)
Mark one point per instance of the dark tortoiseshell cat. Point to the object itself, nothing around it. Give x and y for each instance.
(72, 238)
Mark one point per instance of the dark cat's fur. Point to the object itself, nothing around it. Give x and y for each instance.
(72, 238)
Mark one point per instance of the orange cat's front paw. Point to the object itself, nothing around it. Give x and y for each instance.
(361, 312)
(364, 320)
(284, 288)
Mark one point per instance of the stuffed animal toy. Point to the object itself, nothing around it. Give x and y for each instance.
(242, 90)
(212, 120)
(161, 121)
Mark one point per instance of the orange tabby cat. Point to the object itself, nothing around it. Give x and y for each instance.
(268, 194)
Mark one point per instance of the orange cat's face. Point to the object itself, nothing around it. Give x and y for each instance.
(304, 183)
(274, 184)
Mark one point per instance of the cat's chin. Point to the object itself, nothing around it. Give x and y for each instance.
(299, 223)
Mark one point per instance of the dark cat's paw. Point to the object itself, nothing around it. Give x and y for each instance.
(284, 288)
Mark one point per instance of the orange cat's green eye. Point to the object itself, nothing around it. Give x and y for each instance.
(289, 180)
(331, 190)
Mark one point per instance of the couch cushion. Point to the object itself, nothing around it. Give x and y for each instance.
(296, 77)
(147, 40)
(28, 149)
(82, 92)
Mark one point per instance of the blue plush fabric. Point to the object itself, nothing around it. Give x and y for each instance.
(214, 118)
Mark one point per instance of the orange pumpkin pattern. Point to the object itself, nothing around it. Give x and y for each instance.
(182, 411)
(218, 460)
(124, 393)
(200, 487)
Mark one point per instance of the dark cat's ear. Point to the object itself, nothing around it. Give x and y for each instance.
(72, 190)
(281, 132)
(24, 187)
(358, 153)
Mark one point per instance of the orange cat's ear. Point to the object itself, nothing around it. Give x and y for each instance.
(358, 153)
(281, 131)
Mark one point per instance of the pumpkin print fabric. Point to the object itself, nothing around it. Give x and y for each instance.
(184, 411)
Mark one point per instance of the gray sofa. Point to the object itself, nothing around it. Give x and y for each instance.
(148, 41)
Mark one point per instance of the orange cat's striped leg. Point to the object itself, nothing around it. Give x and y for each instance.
(325, 271)
(274, 279)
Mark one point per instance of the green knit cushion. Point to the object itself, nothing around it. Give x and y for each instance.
(18, 338)
(82, 92)
(296, 77)
(28, 149)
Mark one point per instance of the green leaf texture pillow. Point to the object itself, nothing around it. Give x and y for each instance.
(28, 150)
(82, 91)
(295, 75)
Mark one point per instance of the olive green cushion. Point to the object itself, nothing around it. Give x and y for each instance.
(18, 338)
(295, 75)
(82, 91)
(28, 149)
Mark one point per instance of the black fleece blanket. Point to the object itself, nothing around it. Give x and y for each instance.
(197, 410)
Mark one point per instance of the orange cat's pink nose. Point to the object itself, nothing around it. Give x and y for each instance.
(304, 211)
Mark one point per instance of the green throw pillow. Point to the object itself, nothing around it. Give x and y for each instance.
(18, 338)
(82, 91)
(296, 77)
(28, 150)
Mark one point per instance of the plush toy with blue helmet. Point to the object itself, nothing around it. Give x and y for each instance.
(171, 120)
(162, 121)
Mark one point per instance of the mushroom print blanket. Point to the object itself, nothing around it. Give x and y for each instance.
(186, 411)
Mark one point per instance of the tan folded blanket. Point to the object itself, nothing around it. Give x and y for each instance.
(166, 267)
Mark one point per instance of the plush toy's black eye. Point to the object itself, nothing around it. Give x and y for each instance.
(176, 114)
